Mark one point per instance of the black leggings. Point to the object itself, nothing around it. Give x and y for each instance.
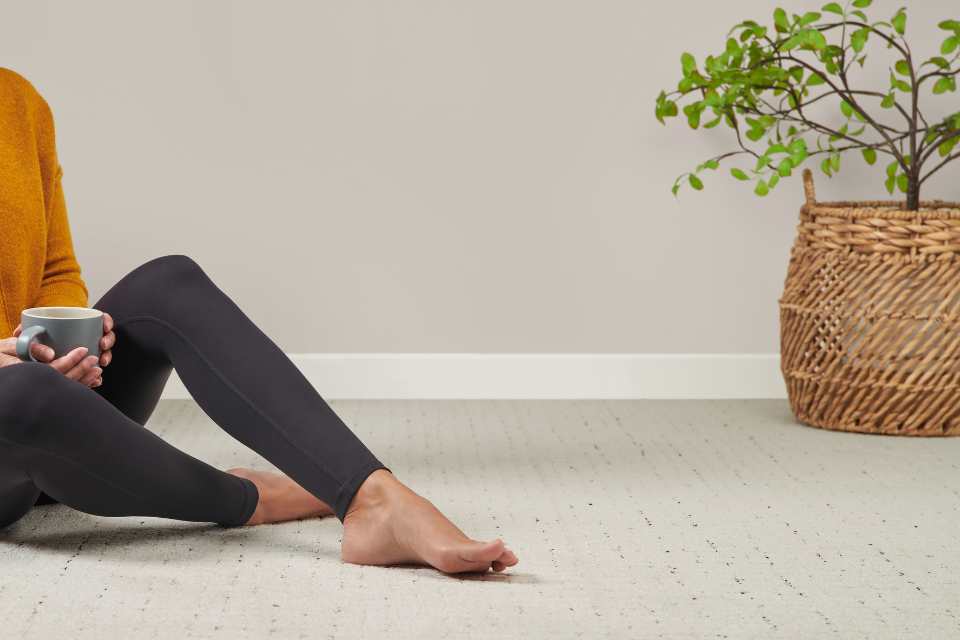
(89, 450)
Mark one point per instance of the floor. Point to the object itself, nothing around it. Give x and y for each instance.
(633, 519)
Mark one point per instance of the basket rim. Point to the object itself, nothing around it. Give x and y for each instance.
(884, 209)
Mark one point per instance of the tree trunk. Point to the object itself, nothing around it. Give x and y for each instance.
(913, 193)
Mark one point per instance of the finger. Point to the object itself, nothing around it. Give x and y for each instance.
(83, 367)
(69, 361)
(105, 358)
(107, 322)
(16, 332)
(107, 341)
(91, 376)
(41, 352)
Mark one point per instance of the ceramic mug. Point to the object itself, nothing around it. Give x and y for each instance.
(63, 329)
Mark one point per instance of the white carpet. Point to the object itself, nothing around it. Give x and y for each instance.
(632, 519)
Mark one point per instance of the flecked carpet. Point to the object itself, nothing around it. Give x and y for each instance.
(632, 519)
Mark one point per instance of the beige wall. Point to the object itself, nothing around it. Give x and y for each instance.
(419, 176)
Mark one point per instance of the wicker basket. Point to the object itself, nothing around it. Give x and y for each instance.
(870, 317)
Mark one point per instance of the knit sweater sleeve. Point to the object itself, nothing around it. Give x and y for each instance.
(62, 284)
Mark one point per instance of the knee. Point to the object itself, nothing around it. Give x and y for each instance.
(172, 270)
(157, 281)
(27, 392)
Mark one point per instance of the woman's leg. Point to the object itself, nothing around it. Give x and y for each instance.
(62, 438)
(168, 313)
(17, 493)
(172, 313)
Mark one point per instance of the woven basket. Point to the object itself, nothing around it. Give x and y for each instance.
(870, 317)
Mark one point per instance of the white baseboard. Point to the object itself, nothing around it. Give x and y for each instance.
(529, 376)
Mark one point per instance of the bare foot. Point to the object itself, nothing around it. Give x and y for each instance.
(281, 499)
(388, 524)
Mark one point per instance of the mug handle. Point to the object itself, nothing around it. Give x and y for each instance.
(27, 336)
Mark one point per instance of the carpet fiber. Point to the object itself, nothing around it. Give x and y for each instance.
(631, 519)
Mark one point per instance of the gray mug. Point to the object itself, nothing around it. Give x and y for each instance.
(63, 329)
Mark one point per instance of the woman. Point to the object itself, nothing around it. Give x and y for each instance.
(71, 428)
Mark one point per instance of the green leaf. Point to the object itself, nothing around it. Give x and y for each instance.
(846, 109)
(761, 189)
(945, 84)
(826, 167)
(814, 79)
(793, 42)
(711, 164)
(899, 84)
(938, 61)
(945, 148)
(862, 4)
(809, 18)
(675, 188)
(892, 169)
(890, 183)
(688, 63)
(870, 155)
(833, 7)
(902, 67)
(780, 20)
(692, 111)
(785, 168)
(696, 183)
(858, 39)
(835, 161)
(888, 101)
(774, 179)
(755, 134)
(816, 39)
(903, 182)
(899, 22)
(739, 174)
(950, 25)
(949, 45)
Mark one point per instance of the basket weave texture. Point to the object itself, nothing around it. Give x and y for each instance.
(870, 317)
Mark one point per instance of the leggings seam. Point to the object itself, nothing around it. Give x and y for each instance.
(229, 386)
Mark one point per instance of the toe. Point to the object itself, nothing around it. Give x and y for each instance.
(471, 556)
(484, 551)
(508, 558)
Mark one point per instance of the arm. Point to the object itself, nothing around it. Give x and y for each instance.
(61, 284)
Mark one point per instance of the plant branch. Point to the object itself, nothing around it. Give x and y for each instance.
(871, 28)
(936, 142)
(946, 161)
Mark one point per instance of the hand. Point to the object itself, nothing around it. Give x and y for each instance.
(107, 341)
(6, 359)
(76, 365)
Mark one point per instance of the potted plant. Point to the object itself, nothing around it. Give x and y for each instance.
(870, 314)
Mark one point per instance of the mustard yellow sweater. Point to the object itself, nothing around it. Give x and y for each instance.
(37, 263)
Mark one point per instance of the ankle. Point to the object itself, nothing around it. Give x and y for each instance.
(374, 492)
